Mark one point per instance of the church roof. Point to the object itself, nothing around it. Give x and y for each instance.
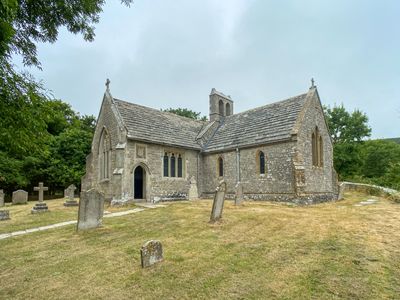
(159, 127)
(266, 124)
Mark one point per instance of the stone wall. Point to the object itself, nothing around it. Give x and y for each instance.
(319, 180)
(158, 187)
(275, 184)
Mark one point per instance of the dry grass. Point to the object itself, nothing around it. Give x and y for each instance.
(259, 250)
(22, 218)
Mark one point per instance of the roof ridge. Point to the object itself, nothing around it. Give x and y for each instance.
(266, 105)
(162, 111)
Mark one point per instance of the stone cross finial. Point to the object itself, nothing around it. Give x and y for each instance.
(40, 189)
(312, 82)
(108, 84)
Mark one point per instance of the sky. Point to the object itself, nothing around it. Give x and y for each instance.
(171, 53)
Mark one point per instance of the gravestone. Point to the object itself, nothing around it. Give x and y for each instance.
(19, 197)
(41, 206)
(69, 193)
(4, 215)
(218, 204)
(1, 198)
(238, 194)
(91, 208)
(151, 253)
(193, 193)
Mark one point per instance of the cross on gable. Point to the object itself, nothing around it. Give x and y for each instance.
(40, 189)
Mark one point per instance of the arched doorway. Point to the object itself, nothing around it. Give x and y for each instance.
(139, 181)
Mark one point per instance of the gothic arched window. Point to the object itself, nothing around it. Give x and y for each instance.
(221, 107)
(166, 164)
(179, 166)
(220, 167)
(173, 165)
(317, 148)
(228, 109)
(104, 155)
(261, 157)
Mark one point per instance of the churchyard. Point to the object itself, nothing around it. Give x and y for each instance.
(347, 249)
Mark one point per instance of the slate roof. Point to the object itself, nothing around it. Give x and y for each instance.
(265, 124)
(155, 126)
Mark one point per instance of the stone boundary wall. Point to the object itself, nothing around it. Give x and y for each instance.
(364, 188)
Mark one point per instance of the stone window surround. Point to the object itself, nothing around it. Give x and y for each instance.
(176, 153)
(219, 158)
(317, 149)
(104, 156)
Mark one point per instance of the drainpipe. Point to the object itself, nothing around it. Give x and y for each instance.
(237, 165)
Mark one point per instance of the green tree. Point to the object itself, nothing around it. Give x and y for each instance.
(184, 112)
(345, 126)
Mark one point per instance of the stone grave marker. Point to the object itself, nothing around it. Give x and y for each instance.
(41, 206)
(4, 215)
(1, 198)
(69, 193)
(91, 208)
(193, 192)
(151, 253)
(238, 193)
(218, 203)
(19, 197)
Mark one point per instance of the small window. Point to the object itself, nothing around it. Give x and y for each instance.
(262, 162)
(172, 165)
(317, 148)
(220, 167)
(314, 149)
(179, 166)
(221, 107)
(321, 152)
(166, 163)
(228, 109)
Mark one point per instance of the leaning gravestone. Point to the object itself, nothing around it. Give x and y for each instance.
(4, 215)
(218, 203)
(193, 193)
(41, 206)
(19, 197)
(238, 194)
(151, 253)
(1, 198)
(69, 193)
(91, 208)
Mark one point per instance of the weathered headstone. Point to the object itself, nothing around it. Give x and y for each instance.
(91, 208)
(69, 193)
(193, 192)
(218, 203)
(1, 198)
(4, 215)
(41, 206)
(238, 194)
(151, 253)
(19, 197)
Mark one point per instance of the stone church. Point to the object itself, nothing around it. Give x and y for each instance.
(280, 151)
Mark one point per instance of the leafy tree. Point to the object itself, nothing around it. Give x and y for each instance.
(184, 112)
(345, 126)
(26, 22)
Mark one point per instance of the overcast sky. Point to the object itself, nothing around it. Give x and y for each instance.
(170, 53)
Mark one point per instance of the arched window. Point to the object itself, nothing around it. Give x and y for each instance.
(173, 165)
(179, 166)
(220, 167)
(104, 155)
(166, 163)
(221, 107)
(321, 152)
(317, 148)
(261, 157)
(228, 109)
(314, 149)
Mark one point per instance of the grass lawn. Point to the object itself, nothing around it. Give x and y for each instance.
(260, 250)
(22, 218)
